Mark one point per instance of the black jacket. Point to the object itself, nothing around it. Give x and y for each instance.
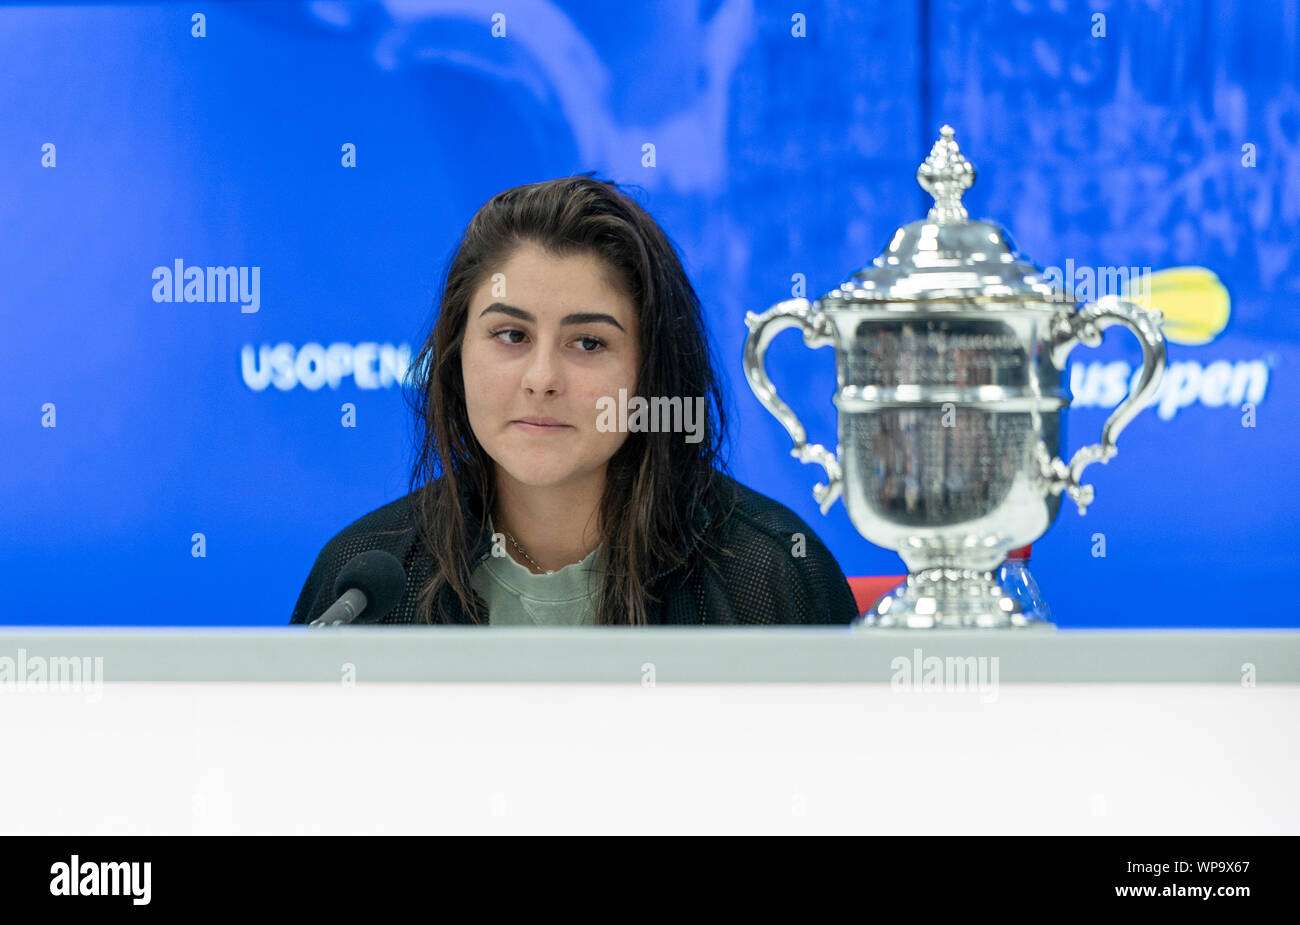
(759, 580)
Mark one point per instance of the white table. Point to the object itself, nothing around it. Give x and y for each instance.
(653, 730)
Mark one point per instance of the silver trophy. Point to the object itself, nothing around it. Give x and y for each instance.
(950, 352)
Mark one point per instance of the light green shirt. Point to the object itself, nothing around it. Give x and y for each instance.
(517, 597)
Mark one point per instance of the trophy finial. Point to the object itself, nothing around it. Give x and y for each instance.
(945, 175)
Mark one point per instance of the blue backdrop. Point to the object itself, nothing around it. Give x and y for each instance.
(183, 460)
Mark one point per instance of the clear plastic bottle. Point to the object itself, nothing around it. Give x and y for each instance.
(1019, 583)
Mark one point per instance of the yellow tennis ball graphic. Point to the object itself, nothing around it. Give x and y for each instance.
(1195, 303)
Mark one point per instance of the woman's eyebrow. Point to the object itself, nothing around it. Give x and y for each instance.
(590, 318)
(575, 318)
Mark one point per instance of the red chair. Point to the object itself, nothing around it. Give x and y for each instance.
(867, 589)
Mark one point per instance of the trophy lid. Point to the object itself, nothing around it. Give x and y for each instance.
(947, 256)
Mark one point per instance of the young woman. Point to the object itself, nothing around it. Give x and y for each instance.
(534, 500)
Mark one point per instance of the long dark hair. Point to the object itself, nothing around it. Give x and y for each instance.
(656, 482)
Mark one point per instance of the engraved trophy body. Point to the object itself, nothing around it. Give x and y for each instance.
(950, 352)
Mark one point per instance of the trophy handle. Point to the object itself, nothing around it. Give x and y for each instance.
(1068, 330)
(818, 331)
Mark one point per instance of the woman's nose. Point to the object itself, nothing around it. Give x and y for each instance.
(542, 373)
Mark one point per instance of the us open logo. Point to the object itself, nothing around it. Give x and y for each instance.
(369, 365)
(1196, 309)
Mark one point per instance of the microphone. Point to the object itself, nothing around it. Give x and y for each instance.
(372, 581)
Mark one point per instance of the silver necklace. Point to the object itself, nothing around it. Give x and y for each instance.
(527, 556)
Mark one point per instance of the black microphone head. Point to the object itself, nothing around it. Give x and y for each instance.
(379, 576)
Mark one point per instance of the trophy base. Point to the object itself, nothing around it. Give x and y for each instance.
(940, 598)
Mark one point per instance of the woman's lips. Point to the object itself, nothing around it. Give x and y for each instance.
(541, 428)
